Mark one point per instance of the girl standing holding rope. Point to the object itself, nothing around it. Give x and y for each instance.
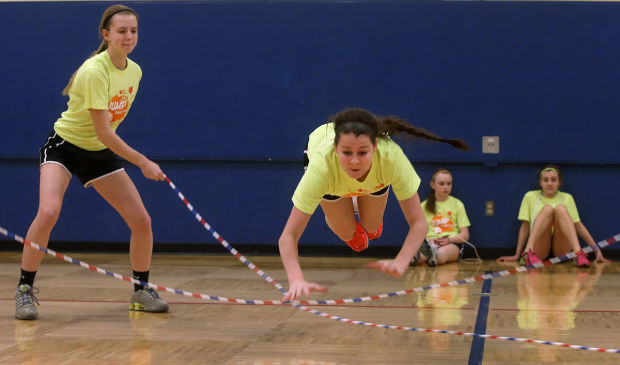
(353, 156)
(84, 142)
(550, 221)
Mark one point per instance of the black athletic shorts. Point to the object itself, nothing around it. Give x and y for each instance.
(88, 166)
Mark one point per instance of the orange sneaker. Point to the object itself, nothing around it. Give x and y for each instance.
(359, 242)
(375, 235)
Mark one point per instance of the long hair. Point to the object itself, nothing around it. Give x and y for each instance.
(431, 199)
(104, 24)
(360, 121)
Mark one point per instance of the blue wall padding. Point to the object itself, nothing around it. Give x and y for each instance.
(229, 85)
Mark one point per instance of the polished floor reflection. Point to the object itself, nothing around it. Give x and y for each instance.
(84, 316)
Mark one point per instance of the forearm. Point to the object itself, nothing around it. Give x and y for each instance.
(119, 147)
(585, 235)
(290, 258)
(413, 241)
(461, 237)
(524, 232)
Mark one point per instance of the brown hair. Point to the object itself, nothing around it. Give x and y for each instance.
(431, 199)
(549, 167)
(104, 24)
(360, 121)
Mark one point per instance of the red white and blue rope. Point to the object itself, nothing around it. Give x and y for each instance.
(404, 328)
(69, 259)
(552, 261)
(99, 270)
(221, 239)
(297, 305)
(518, 269)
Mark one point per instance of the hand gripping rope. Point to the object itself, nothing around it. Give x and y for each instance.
(266, 277)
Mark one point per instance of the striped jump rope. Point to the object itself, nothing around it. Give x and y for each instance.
(298, 304)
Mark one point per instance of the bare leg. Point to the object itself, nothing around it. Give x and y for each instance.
(540, 235)
(447, 253)
(53, 184)
(371, 209)
(340, 217)
(565, 236)
(118, 190)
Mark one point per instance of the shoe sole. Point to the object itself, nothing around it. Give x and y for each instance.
(28, 318)
(140, 308)
(136, 307)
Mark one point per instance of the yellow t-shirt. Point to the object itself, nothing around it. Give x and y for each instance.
(534, 201)
(98, 84)
(450, 217)
(324, 175)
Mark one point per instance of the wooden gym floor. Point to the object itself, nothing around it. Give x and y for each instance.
(84, 317)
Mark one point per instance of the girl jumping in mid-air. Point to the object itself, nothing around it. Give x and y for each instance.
(354, 156)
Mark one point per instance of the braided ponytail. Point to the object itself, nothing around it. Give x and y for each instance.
(360, 121)
(391, 126)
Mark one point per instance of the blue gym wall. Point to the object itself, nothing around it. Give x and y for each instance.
(232, 88)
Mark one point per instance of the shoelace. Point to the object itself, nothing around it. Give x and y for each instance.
(152, 293)
(27, 297)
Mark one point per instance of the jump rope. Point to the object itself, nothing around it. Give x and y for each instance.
(298, 304)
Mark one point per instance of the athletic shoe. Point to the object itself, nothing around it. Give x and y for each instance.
(377, 234)
(581, 260)
(26, 303)
(416, 259)
(147, 300)
(359, 242)
(429, 250)
(529, 258)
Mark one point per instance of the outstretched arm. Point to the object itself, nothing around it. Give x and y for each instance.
(417, 232)
(583, 232)
(289, 239)
(101, 120)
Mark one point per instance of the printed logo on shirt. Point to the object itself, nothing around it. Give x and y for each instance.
(359, 192)
(119, 106)
(442, 224)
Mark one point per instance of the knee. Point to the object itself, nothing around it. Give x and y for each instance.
(561, 208)
(140, 223)
(48, 215)
(547, 209)
(346, 235)
(374, 231)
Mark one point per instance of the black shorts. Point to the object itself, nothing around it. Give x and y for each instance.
(376, 193)
(88, 166)
(336, 197)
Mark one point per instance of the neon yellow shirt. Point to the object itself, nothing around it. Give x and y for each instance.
(324, 175)
(534, 201)
(98, 84)
(450, 217)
